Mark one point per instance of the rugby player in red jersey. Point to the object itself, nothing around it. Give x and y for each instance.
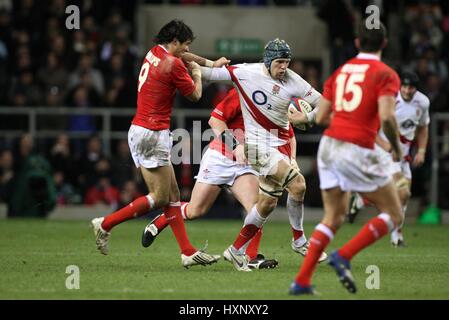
(150, 141)
(358, 98)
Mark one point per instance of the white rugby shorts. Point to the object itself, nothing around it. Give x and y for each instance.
(150, 149)
(217, 169)
(352, 167)
(264, 159)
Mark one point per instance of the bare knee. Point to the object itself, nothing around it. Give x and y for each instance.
(404, 196)
(334, 221)
(297, 189)
(195, 211)
(160, 200)
(266, 205)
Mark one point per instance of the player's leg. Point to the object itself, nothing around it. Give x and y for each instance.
(203, 197)
(403, 185)
(245, 189)
(150, 151)
(277, 177)
(189, 255)
(295, 209)
(335, 207)
(215, 170)
(386, 200)
(356, 203)
(158, 197)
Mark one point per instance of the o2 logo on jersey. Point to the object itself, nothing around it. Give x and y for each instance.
(408, 124)
(260, 98)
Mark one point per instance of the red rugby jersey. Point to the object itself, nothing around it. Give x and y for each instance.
(161, 74)
(354, 89)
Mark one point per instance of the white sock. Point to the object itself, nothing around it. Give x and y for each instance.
(254, 218)
(295, 210)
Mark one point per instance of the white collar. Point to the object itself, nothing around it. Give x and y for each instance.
(368, 56)
(163, 48)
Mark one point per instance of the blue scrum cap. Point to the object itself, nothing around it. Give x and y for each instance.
(276, 49)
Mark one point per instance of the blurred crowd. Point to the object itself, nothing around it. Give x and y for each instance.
(42, 63)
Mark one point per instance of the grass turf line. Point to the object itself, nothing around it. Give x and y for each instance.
(34, 255)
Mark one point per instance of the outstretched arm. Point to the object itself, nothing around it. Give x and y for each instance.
(188, 57)
(216, 74)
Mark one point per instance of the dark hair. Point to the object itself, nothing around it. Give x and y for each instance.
(175, 29)
(371, 40)
(409, 79)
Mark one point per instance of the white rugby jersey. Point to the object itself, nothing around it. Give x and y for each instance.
(410, 115)
(264, 101)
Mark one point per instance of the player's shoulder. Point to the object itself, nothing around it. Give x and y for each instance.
(293, 75)
(249, 66)
(421, 99)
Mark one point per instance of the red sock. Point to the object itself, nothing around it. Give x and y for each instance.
(297, 234)
(161, 222)
(253, 247)
(319, 239)
(372, 231)
(138, 207)
(173, 216)
(245, 235)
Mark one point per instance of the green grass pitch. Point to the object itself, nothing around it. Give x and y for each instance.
(34, 255)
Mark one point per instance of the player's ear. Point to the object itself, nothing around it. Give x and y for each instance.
(357, 43)
(384, 44)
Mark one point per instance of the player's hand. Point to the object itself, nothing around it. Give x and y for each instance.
(418, 161)
(239, 153)
(192, 65)
(221, 62)
(296, 117)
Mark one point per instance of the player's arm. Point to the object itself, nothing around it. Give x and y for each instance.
(188, 57)
(324, 113)
(389, 125)
(217, 125)
(309, 94)
(220, 129)
(293, 155)
(422, 137)
(216, 74)
(196, 77)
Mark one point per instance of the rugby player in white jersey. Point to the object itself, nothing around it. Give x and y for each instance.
(412, 115)
(265, 91)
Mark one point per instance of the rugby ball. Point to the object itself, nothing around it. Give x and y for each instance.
(302, 106)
